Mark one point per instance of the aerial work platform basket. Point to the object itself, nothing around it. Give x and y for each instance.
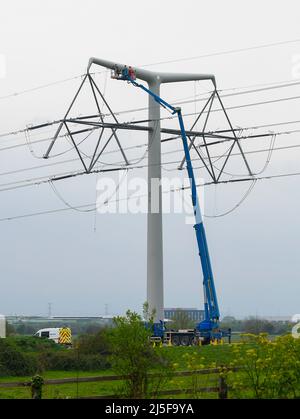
(123, 73)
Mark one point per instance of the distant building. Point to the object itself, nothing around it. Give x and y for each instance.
(193, 314)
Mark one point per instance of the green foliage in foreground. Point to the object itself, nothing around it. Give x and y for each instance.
(31, 355)
(13, 361)
(133, 355)
(268, 368)
(31, 344)
(271, 368)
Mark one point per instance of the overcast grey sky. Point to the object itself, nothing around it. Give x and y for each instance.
(60, 258)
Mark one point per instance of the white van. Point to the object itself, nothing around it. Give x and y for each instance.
(61, 335)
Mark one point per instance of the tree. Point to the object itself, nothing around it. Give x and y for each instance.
(255, 326)
(134, 357)
(230, 322)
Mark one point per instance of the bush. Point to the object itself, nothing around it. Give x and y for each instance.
(256, 325)
(270, 369)
(93, 344)
(32, 344)
(134, 356)
(70, 360)
(13, 362)
(27, 356)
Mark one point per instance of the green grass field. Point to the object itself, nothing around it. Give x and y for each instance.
(211, 354)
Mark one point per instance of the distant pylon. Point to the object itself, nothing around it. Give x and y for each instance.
(49, 310)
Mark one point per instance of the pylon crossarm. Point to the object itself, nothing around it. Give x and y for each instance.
(62, 123)
(96, 124)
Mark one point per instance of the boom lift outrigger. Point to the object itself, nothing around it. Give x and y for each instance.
(207, 330)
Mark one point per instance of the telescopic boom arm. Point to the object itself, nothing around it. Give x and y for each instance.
(211, 307)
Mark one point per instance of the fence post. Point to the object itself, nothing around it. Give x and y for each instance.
(36, 387)
(223, 387)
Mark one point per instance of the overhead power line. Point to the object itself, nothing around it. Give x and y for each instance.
(58, 210)
(246, 105)
(203, 99)
(227, 52)
(135, 166)
(36, 181)
(241, 201)
(192, 58)
(51, 123)
(42, 86)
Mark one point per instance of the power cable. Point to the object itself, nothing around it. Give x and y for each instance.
(214, 54)
(44, 179)
(227, 52)
(269, 156)
(171, 138)
(43, 86)
(27, 169)
(38, 213)
(21, 131)
(95, 207)
(243, 199)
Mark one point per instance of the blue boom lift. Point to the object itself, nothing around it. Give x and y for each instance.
(207, 330)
